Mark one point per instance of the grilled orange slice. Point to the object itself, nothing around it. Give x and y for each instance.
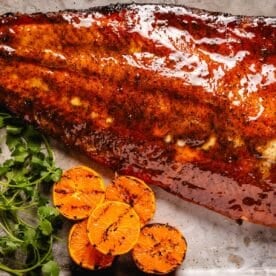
(78, 192)
(113, 228)
(82, 252)
(134, 192)
(160, 249)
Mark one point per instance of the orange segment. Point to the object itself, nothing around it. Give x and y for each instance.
(134, 192)
(78, 192)
(160, 249)
(113, 228)
(82, 252)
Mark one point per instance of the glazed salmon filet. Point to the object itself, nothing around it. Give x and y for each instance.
(180, 97)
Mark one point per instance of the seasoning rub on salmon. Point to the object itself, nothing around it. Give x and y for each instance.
(182, 98)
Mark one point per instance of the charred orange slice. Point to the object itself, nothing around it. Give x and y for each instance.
(160, 249)
(82, 252)
(113, 228)
(134, 192)
(78, 192)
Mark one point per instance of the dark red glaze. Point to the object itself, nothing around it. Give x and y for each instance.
(182, 98)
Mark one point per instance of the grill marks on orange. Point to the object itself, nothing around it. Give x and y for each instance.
(82, 252)
(113, 228)
(160, 249)
(78, 192)
(134, 192)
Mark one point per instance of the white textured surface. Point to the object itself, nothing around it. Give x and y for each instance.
(244, 7)
(216, 245)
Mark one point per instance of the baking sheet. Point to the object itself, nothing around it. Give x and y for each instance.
(216, 245)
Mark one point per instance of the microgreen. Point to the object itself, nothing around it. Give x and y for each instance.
(27, 220)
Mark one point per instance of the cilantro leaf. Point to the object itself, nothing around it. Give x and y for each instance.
(8, 246)
(12, 129)
(3, 170)
(56, 174)
(47, 212)
(29, 235)
(12, 141)
(51, 268)
(46, 227)
(2, 123)
(26, 220)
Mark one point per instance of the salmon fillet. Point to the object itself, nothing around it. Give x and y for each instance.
(183, 98)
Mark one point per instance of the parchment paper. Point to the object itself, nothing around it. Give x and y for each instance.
(216, 245)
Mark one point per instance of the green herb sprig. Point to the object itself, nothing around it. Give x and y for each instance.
(27, 220)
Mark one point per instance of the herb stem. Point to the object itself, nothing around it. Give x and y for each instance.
(23, 209)
(5, 228)
(39, 263)
(48, 148)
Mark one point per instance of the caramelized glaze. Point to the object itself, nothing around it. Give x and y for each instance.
(182, 98)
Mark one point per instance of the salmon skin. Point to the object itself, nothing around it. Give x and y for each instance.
(182, 98)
